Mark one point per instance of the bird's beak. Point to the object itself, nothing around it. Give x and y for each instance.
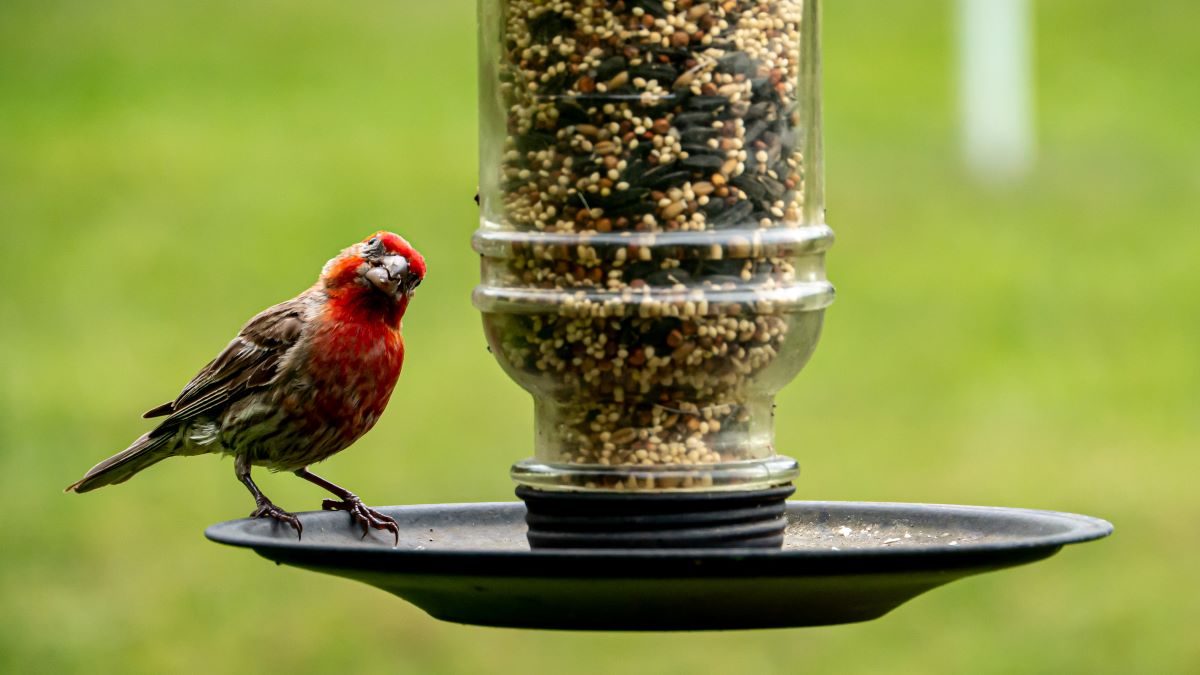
(391, 276)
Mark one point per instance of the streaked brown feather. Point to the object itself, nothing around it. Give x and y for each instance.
(250, 360)
(158, 411)
(146, 450)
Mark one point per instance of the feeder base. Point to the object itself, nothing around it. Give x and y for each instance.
(840, 562)
(727, 519)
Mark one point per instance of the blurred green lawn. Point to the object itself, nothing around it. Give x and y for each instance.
(169, 168)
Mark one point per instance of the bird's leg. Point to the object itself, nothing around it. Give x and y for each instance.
(367, 517)
(266, 509)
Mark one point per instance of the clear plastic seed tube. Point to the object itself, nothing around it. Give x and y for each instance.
(652, 232)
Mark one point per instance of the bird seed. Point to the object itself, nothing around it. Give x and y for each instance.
(647, 252)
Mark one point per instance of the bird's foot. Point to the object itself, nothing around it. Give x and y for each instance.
(363, 515)
(268, 510)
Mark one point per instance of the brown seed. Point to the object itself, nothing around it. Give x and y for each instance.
(623, 436)
(673, 209)
(586, 85)
(661, 126)
(619, 80)
(674, 338)
(702, 188)
(680, 39)
(604, 147)
(718, 179)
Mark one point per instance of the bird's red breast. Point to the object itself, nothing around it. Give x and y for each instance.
(354, 362)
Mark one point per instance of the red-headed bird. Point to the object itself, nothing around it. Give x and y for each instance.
(301, 381)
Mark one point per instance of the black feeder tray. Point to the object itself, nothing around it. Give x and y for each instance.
(840, 562)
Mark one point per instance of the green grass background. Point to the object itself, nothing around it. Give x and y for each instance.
(169, 168)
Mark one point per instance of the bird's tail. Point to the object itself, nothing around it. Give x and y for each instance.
(147, 450)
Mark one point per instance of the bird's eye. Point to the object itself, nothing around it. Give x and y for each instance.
(372, 241)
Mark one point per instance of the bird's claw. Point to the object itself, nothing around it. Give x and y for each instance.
(365, 516)
(269, 510)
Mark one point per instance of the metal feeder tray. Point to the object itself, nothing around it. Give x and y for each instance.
(841, 562)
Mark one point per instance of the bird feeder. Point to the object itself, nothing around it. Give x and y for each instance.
(652, 239)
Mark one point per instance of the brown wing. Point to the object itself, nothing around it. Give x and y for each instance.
(251, 360)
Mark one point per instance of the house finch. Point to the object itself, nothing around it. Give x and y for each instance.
(301, 381)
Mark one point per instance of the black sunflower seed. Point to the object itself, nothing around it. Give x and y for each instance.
(702, 162)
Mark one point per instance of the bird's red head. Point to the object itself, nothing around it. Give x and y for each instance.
(382, 270)
(393, 244)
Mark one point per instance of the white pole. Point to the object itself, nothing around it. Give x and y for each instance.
(994, 88)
